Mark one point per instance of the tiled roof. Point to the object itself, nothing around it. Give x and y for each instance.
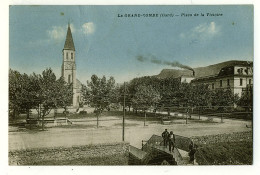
(69, 44)
(210, 70)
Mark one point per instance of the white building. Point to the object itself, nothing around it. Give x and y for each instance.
(236, 77)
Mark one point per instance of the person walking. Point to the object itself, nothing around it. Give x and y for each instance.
(171, 141)
(192, 151)
(165, 136)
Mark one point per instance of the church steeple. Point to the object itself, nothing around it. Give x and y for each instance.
(69, 44)
(68, 69)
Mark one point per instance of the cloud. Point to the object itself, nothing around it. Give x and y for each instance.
(202, 32)
(88, 28)
(57, 33)
(72, 27)
(209, 29)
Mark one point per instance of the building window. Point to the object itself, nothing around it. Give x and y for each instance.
(249, 81)
(72, 56)
(212, 86)
(241, 82)
(228, 82)
(240, 71)
(246, 70)
(220, 83)
(69, 77)
(67, 55)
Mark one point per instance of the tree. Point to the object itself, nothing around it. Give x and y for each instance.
(145, 97)
(21, 93)
(50, 93)
(64, 93)
(169, 89)
(223, 99)
(127, 91)
(15, 90)
(200, 95)
(29, 94)
(246, 99)
(42, 92)
(100, 93)
(85, 94)
(46, 96)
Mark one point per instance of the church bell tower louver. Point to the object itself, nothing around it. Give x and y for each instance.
(68, 70)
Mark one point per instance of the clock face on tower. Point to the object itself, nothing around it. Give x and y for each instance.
(69, 65)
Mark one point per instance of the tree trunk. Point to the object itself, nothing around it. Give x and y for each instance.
(42, 122)
(199, 113)
(28, 113)
(42, 117)
(144, 118)
(13, 115)
(98, 114)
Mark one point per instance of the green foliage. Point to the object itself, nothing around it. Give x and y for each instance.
(64, 93)
(246, 99)
(22, 92)
(100, 92)
(200, 95)
(174, 94)
(37, 91)
(228, 153)
(51, 93)
(15, 89)
(127, 91)
(222, 98)
(145, 97)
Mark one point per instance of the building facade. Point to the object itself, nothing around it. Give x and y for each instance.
(186, 78)
(236, 77)
(68, 68)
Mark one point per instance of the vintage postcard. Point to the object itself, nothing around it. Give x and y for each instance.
(131, 85)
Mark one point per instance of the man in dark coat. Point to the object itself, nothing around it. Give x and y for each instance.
(171, 141)
(165, 136)
(192, 151)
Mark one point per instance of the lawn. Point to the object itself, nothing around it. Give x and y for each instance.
(115, 159)
(228, 153)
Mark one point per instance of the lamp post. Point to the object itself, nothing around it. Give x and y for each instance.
(123, 132)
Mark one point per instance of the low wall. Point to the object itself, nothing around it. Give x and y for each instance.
(100, 154)
(233, 137)
(180, 142)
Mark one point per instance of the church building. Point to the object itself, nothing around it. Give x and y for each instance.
(68, 68)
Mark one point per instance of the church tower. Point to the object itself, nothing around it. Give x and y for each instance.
(68, 70)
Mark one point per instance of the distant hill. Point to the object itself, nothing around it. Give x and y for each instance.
(200, 71)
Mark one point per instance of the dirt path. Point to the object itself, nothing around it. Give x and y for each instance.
(85, 132)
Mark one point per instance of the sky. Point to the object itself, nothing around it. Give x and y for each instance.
(128, 47)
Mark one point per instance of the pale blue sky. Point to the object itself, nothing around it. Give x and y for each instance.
(108, 45)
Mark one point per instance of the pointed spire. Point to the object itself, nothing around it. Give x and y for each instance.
(69, 44)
